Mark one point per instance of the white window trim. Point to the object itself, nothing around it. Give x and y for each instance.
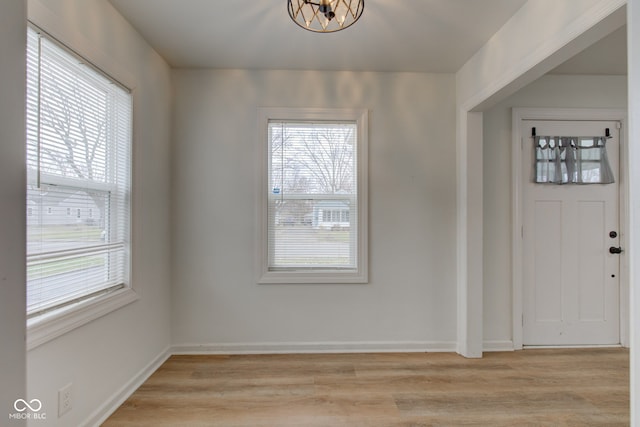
(360, 274)
(49, 326)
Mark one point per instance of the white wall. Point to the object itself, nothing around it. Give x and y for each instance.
(102, 357)
(561, 91)
(633, 60)
(410, 300)
(12, 214)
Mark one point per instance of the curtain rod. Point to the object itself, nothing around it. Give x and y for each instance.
(607, 132)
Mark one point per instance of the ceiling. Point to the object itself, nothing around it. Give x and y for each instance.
(605, 57)
(392, 35)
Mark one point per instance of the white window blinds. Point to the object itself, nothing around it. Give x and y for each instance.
(78, 173)
(312, 196)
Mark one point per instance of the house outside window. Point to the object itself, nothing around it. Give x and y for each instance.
(332, 214)
(313, 196)
(78, 159)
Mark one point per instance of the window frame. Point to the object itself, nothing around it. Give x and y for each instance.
(52, 324)
(304, 276)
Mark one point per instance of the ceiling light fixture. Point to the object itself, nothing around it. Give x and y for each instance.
(325, 16)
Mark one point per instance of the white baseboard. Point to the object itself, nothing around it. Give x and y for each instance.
(315, 347)
(553, 347)
(109, 407)
(506, 345)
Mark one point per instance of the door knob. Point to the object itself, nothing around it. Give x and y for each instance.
(614, 250)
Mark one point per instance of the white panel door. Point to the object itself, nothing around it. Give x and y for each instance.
(571, 280)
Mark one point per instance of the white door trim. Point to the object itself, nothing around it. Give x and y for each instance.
(518, 116)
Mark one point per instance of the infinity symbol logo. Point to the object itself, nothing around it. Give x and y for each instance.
(21, 405)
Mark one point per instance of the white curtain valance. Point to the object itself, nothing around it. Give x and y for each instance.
(572, 160)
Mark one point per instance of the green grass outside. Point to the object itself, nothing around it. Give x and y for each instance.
(51, 268)
(319, 234)
(310, 262)
(64, 232)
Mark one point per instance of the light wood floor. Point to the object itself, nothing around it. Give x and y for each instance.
(576, 387)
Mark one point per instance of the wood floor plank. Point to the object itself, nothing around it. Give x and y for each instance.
(551, 387)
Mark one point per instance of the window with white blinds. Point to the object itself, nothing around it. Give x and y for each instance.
(78, 178)
(313, 203)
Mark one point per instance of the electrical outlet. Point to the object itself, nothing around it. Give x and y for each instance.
(65, 398)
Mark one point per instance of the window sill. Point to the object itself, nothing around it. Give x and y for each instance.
(49, 326)
(289, 277)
